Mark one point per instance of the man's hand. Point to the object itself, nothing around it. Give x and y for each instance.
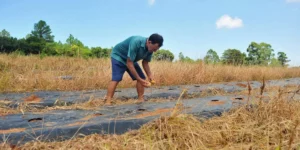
(150, 77)
(145, 83)
(147, 70)
(130, 66)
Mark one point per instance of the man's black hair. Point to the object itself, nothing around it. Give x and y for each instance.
(156, 38)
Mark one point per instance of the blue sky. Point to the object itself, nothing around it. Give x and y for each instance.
(188, 26)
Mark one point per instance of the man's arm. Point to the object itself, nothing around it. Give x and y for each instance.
(132, 51)
(147, 69)
(131, 68)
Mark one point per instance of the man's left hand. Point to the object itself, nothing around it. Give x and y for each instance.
(151, 79)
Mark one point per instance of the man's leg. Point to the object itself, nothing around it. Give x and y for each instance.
(140, 90)
(118, 70)
(111, 91)
(139, 87)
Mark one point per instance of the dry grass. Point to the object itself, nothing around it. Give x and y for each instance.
(6, 111)
(28, 73)
(263, 125)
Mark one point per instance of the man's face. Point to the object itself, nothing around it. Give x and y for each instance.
(152, 47)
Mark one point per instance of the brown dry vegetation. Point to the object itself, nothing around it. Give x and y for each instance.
(28, 73)
(264, 125)
(272, 124)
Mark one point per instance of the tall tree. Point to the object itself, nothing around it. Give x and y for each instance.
(233, 57)
(181, 56)
(42, 31)
(4, 33)
(259, 53)
(70, 40)
(282, 58)
(211, 57)
(164, 55)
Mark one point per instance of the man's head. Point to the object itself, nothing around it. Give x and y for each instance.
(154, 42)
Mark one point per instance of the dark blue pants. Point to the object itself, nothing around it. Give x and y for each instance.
(118, 70)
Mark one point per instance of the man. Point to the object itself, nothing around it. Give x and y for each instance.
(124, 57)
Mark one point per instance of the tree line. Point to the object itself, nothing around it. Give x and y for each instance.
(258, 54)
(41, 41)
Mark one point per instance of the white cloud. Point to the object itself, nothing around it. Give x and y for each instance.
(292, 1)
(151, 2)
(228, 22)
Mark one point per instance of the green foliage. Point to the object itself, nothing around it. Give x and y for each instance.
(163, 55)
(50, 49)
(100, 53)
(8, 44)
(32, 45)
(74, 41)
(259, 53)
(282, 58)
(199, 60)
(4, 33)
(17, 53)
(183, 58)
(233, 57)
(274, 62)
(42, 31)
(211, 57)
(40, 41)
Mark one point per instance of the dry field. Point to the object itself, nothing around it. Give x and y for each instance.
(30, 73)
(272, 124)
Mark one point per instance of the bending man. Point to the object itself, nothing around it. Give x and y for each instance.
(124, 57)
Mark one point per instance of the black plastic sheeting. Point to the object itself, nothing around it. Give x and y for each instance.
(59, 125)
(71, 97)
(64, 124)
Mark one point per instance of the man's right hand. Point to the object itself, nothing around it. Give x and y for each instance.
(145, 83)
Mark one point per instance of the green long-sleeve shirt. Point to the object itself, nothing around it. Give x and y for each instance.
(133, 47)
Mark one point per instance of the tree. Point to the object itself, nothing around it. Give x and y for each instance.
(28, 36)
(32, 45)
(4, 33)
(211, 57)
(282, 58)
(163, 55)
(71, 40)
(50, 49)
(233, 57)
(274, 62)
(8, 44)
(183, 58)
(259, 53)
(100, 53)
(42, 31)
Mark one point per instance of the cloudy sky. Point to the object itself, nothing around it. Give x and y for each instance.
(188, 26)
